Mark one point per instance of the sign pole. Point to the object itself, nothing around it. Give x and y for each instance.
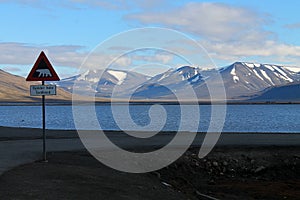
(42, 70)
(44, 126)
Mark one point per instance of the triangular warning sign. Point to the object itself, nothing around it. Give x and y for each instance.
(42, 70)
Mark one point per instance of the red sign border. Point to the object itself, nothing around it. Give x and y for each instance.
(35, 66)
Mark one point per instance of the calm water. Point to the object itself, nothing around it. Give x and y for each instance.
(239, 118)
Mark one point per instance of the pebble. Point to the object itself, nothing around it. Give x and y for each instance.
(166, 184)
(215, 164)
(259, 169)
(208, 164)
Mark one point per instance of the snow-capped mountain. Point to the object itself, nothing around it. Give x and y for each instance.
(102, 83)
(242, 80)
(181, 74)
(163, 84)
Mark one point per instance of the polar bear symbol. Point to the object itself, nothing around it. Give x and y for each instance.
(44, 73)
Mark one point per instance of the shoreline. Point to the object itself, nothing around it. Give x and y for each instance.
(159, 139)
(101, 103)
(121, 131)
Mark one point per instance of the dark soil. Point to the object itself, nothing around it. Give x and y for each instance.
(78, 175)
(238, 173)
(226, 173)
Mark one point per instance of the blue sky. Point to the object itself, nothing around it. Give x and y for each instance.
(67, 30)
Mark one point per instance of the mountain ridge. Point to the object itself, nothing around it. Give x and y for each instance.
(243, 81)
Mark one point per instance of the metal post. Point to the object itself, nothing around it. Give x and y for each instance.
(44, 126)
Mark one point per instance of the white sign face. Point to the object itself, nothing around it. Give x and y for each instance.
(40, 90)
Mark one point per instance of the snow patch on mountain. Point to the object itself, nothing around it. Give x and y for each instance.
(93, 80)
(87, 77)
(180, 67)
(251, 65)
(257, 65)
(283, 77)
(234, 76)
(187, 72)
(266, 76)
(270, 67)
(256, 73)
(283, 74)
(280, 71)
(197, 78)
(119, 75)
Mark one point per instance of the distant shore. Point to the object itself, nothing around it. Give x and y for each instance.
(150, 102)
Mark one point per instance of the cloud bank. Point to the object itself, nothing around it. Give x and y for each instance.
(228, 33)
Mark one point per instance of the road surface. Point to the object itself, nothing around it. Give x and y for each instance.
(20, 146)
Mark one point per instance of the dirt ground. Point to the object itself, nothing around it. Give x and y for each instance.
(238, 173)
(226, 173)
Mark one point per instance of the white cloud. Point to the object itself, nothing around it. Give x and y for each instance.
(22, 54)
(264, 51)
(157, 58)
(134, 59)
(123, 61)
(25, 54)
(164, 58)
(228, 33)
(213, 21)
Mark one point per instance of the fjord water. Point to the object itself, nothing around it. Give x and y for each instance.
(239, 118)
